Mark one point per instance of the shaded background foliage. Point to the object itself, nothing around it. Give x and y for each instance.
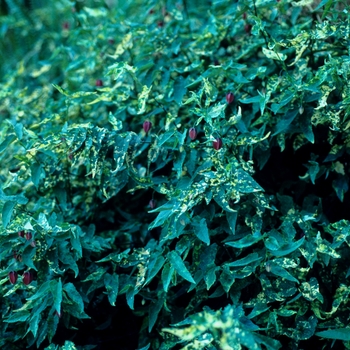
(154, 240)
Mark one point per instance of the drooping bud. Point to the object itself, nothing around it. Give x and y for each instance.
(230, 97)
(65, 25)
(268, 267)
(27, 278)
(152, 203)
(247, 28)
(20, 233)
(99, 82)
(147, 126)
(244, 15)
(193, 133)
(33, 244)
(13, 277)
(217, 144)
(28, 236)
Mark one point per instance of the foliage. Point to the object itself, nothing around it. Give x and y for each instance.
(237, 236)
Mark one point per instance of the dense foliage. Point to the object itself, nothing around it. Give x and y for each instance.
(174, 174)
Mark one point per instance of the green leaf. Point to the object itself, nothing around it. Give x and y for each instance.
(278, 56)
(112, 286)
(201, 230)
(154, 310)
(246, 241)
(167, 274)
(74, 296)
(287, 249)
(340, 334)
(7, 211)
(56, 291)
(245, 261)
(232, 219)
(179, 266)
(36, 173)
(19, 316)
(280, 271)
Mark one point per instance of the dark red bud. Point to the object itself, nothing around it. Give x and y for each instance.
(65, 25)
(28, 236)
(111, 41)
(99, 82)
(151, 11)
(70, 156)
(33, 244)
(247, 28)
(21, 234)
(230, 97)
(193, 133)
(13, 277)
(152, 203)
(244, 15)
(160, 24)
(27, 278)
(147, 126)
(217, 144)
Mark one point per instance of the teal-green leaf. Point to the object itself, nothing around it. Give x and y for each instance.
(112, 286)
(201, 231)
(280, 271)
(340, 334)
(7, 211)
(288, 248)
(167, 274)
(56, 291)
(179, 266)
(245, 261)
(154, 310)
(246, 241)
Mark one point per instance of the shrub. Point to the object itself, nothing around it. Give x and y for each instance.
(188, 160)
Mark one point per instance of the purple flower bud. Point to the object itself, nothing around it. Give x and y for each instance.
(13, 277)
(247, 28)
(193, 133)
(33, 244)
(27, 278)
(230, 97)
(152, 203)
(28, 236)
(244, 15)
(99, 82)
(20, 233)
(217, 144)
(147, 126)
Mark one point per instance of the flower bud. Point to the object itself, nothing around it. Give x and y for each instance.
(147, 126)
(244, 15)
(193, 133)
(268, 267)
(13, 277)
(230, 97)
(33, 244)
(152, 203)
(28, 236)
(99, 82)
(247, 28)
(217, 144)
(20, 233)
(27, 277)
